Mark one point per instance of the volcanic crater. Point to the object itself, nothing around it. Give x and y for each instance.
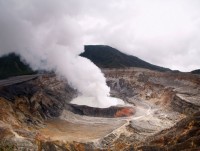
(37, 114)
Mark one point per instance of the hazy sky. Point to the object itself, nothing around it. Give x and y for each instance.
(162, 32)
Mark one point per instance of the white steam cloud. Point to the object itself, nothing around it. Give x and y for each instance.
(48, 37)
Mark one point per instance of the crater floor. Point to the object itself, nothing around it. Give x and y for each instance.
(66, 130)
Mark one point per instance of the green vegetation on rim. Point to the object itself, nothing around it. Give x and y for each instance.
(108, 57)
(196, 71)
(11, 65)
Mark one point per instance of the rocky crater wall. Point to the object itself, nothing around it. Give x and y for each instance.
(161, 111)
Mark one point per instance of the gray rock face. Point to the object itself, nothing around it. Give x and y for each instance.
(46, 95)
(184, 106)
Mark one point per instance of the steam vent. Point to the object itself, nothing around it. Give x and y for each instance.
(110, 107)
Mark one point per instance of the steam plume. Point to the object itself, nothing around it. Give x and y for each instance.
(47, 37)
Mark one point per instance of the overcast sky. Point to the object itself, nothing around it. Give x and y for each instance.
(162, 32)
(165, 33)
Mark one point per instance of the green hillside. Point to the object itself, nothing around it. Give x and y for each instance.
(11, 65)
(108, 57)
(196, 71)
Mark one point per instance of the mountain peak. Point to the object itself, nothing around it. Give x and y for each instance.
(107, 57)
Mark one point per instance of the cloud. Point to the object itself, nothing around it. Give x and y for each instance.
(47, 36)
(165, 33)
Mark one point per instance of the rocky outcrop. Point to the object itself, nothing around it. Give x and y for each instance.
(37, 98)
(185, 135)
(26, 105)
(183, 106)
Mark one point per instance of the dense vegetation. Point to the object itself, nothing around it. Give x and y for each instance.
(196, 71)
(11, 65)
(108, 57)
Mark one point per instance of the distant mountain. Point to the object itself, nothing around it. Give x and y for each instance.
(102, 56)
(196, 71)
(108, 57)
(11, 65)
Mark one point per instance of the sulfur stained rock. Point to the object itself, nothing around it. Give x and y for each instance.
(125, 112)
